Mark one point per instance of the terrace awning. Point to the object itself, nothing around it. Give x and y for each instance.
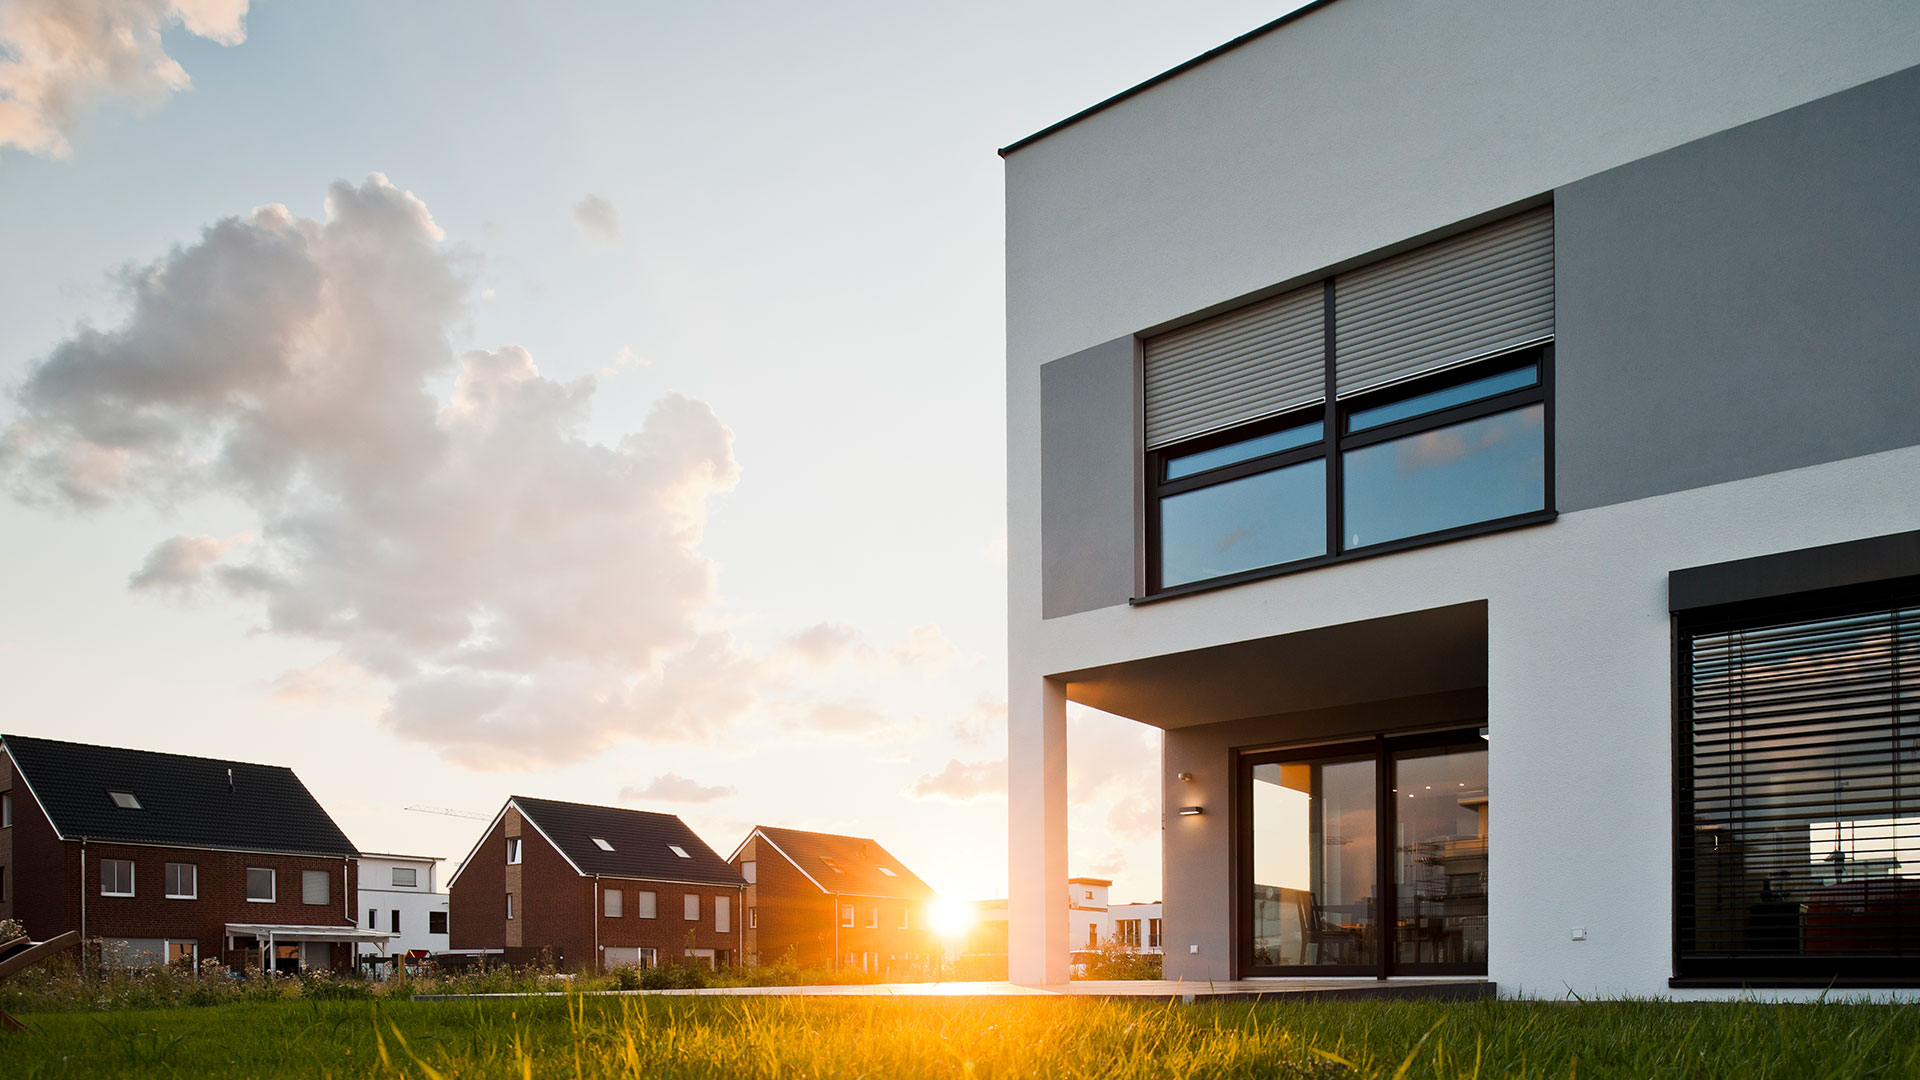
(299, 932)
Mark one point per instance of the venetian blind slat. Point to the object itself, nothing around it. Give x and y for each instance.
(1468, 296)
(1249, 363)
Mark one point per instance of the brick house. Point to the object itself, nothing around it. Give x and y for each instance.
(842, 902)
(597, 887)
(170, 858)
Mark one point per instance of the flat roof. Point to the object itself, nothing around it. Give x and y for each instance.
(1302, 10)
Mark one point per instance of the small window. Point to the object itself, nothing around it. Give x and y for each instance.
(260, 885)
(116, 877)
(602, 844)
(873, 918)
(846, 914)
(373, 919)
(750, 870)
(692, 903)
(125, 800)
(887, 870)
(436, 922)
(509, 905)
(649, 957)
(396, 920)
(722, 915)
(610, 903)
(1093, 936)
(904, 917)
(678, 850)
(513, 851)
(753, 918)
(183, 881)
(1089, 894)
(6, 811)
(316, 887)
(3, 884)
(405, 877)
(831, 865)
(645, 905)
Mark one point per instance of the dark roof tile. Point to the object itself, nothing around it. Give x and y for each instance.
(642, 842)
(858, 861)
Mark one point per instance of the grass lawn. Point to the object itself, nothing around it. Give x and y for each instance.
(876, 1037)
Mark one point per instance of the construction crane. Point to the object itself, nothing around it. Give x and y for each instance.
(447, 811)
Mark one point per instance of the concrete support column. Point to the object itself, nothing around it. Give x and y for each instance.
(1037, 831)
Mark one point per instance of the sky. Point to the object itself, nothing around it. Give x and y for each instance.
(598, 401)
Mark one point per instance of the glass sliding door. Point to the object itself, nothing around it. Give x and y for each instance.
(1315, 864)
(1440, 857)
(1366, 858)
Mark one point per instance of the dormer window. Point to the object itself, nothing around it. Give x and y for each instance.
(602, 844)
(676, 849)
(887, 870)
(831, 865)
(125, 800)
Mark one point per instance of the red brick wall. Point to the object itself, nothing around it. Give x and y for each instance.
(476, 909)
(552, 907)
(792, 912)
(668, 932)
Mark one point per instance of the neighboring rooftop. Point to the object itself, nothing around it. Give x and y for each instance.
(632, 843)
(1258, 31)
(854, 865)
(110, 793)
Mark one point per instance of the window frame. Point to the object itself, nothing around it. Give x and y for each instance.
(690, 907)
(132, 877)
(646, 904)
(413, 877)
(1333, 413)
(1757, 968)
(273, 885)
(613, 904)
(515, 850)
(439, 917)
(306, 881)
(166, 882)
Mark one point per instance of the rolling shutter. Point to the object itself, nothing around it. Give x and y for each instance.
(1468, 296)
(1800, 790)
(1251, 362)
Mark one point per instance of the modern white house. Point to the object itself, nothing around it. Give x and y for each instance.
(1486, 440)
(399, 895)
(1094, 923)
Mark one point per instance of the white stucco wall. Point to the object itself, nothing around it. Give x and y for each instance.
(1362, 125)
(378, 893)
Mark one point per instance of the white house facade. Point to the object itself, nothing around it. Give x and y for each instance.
(400, 896)
(1486, 439)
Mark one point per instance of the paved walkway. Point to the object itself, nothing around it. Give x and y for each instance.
(1160, 990)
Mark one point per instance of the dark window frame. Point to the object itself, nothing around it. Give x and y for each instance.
(1759, 969)
(1335, 442)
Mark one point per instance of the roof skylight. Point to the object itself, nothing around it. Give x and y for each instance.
(831, 865)
(678, 850)
(887, 870)
(602, 844)
(125, 800)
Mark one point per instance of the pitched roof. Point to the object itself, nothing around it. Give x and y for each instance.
(642, 842)
(183, 801)
(847, 864)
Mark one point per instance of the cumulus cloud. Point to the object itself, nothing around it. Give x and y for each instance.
(181, 563)
(925, 649)
(61, 58)
(528, 593)
(1110, 865)
(597, 219)
(842, 718)
(1135, 814)
(988, 717)
(672, 787)
(962, 781)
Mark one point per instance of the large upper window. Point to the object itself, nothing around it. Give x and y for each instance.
(1798, 825)
(1400, 403)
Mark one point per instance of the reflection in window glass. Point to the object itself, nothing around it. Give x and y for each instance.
(1244, 450)
(1481, 470)
(1313, 863)
(1440, 858)
(1442, 399)
(1260, 520)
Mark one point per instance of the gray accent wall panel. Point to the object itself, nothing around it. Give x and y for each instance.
(1087, 487)
(1743, 304)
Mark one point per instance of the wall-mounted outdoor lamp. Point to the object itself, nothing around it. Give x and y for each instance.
(1186, 778)
(1189, 811)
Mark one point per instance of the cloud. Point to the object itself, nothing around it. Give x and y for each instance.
(672, 787)
(62, 58)
(1134, 815)
(1110, 865)
(823, 644)
(597, 219)
(962, 781)
(842, 718)
(925, 649)
(181, 563)
(529, 594)
(987, 717)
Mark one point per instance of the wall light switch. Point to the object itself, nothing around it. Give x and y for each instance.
(1579, 933)
(1193, 948)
